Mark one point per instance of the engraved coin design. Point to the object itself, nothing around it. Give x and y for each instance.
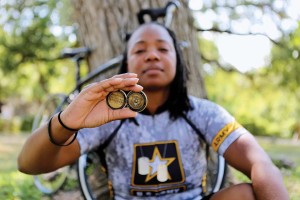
(116, 100)
(137, 101)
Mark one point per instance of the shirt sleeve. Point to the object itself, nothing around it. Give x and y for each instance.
(91, 138)
(219, 128)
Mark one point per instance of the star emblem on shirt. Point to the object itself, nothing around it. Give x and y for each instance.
(155, 161)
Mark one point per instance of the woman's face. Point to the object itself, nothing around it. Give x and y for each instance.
(152, 56)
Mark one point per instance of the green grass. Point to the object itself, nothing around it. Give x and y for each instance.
(14, 184)
(17, 186)
(282, 149)
(10, 146)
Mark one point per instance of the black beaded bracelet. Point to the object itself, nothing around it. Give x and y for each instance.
(51, 138)
(63, 125)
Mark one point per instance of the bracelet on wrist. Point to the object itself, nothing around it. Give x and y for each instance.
(63, 125)
(53, 141)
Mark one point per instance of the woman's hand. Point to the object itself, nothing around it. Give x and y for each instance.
(89, 108)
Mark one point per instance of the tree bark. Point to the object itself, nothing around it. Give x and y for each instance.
(103, 24)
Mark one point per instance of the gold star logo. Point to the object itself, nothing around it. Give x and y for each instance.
(155, 161)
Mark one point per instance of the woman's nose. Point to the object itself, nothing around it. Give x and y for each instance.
(152, 55)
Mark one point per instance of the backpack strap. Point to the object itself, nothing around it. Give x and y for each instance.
(204, 178)
(103, 146)
(194, 127)
(198, 133)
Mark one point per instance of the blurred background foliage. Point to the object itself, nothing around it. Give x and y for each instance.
(33, 33)
(264, 100)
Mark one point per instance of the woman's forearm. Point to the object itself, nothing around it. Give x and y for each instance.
(39, 155)
(267, 182)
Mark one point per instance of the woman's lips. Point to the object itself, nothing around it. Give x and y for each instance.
(152, 70)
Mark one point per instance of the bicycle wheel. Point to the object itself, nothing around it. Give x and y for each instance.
(49, 183)
(92, 179)
(216, 172)
(52, 105)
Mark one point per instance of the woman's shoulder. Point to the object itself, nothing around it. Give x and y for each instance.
(205, 106)
(196, 102)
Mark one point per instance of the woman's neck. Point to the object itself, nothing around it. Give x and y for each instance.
(156, 98)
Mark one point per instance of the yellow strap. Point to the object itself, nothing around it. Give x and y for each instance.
(223, 133)
(110, 188)
(204, 189)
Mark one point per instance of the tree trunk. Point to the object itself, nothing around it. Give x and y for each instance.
(103, 24)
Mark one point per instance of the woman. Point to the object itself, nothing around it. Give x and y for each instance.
(155, 154)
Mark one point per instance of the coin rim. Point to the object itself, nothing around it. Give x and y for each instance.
(125, 100)
(142, 107)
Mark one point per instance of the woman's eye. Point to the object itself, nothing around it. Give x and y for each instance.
(139, 51)
(163, 49)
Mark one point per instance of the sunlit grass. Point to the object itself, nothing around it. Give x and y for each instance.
(14, 184)
(17, 186)
(10, 146)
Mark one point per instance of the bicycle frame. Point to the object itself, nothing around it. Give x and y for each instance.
(111, 64)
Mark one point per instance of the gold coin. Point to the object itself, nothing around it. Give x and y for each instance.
(116, 100)
(137, 101)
